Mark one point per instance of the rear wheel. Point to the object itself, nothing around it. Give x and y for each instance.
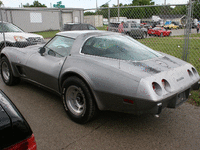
(78, 100)
(7, 74)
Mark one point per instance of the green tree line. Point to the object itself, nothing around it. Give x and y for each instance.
(144, 11)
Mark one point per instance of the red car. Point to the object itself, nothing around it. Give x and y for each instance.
(159, 31)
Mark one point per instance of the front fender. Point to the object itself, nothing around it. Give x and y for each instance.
(7, 52)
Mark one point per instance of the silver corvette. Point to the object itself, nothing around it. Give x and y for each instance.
(100, 70)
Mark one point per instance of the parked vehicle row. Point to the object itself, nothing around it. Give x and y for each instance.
(159, 31)
(102, 70)
(134, 30)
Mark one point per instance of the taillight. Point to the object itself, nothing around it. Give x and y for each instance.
(28, 144)
(157, 89)
(194, 71)
(190, 73)
(166, 85)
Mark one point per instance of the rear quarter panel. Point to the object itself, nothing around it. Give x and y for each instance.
(105, 79)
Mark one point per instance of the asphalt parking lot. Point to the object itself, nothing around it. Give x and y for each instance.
(174, 129)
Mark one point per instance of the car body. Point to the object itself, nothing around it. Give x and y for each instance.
(130, 28)
(151, 24)
(159, 31)
(180, 26)
(78, 26)
(16, 37)
(171, 26)
(15, 132)
(102, 70)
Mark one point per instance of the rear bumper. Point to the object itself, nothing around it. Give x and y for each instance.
(142, 106)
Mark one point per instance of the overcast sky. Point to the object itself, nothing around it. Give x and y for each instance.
(81, 3)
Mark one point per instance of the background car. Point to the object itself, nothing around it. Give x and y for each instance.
(101, 70)
(16, 37)
(132, 29)
(171, 26)
(78, 26)
(180, 26)
(15, 132)
(159, 31)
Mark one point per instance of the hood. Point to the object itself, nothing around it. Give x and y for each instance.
(24, 34)
(10, 35)
(147, 68)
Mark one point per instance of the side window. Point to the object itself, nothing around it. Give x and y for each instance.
(125, 25)
(59, 46)
(84, 27)
(76, 27)
(100, 46)
(133, 26)
(91, 27)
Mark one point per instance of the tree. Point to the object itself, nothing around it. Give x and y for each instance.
(88, 13)
(27, 5)
(35, 4)
(1, 3)
(142, 2)
(196, 8)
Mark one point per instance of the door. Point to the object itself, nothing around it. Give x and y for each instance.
(45, 69)
(67, 18)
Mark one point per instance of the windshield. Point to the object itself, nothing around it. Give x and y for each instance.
(118, 47)
(8, 27)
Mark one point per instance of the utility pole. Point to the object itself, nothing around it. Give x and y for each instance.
(96, 8)
(118, 9)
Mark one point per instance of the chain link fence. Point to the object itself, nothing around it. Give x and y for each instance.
(171, 29)
(20, 27)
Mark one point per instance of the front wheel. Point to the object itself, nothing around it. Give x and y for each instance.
(7, 74)
(78, 100)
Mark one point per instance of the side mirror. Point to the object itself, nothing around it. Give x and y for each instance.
(41, 51)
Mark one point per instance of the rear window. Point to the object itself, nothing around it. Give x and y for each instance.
(67, 27)
(8, 27)
(118, 47)
(114, 25)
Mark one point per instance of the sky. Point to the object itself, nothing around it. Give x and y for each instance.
(86, 4)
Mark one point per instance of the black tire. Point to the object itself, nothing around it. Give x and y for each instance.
(2, 45)
(7, 74)
(78, 100)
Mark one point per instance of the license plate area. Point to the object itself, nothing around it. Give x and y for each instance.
(179, 99)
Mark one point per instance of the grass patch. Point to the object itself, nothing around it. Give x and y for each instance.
(102, 28)
(175, 47)
(195, 98)
(48, 34)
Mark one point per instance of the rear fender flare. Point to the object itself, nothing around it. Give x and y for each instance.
(83, 76)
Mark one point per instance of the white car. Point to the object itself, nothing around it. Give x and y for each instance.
(16, 37)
